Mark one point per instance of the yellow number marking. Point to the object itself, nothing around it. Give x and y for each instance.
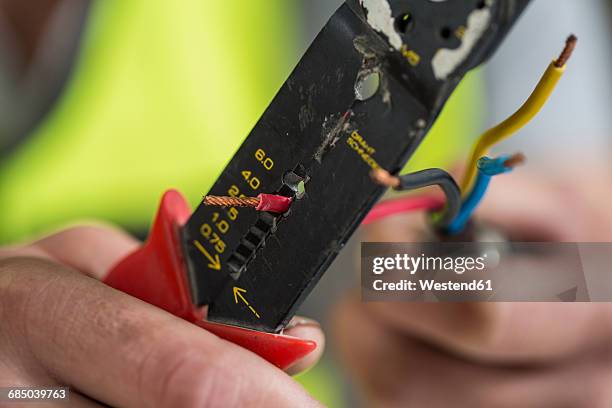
(267, 162)
(252, 181)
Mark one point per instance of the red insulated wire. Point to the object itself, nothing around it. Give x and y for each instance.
(273, 203)
(403, 205)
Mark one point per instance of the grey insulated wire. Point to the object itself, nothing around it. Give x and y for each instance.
(432, 177)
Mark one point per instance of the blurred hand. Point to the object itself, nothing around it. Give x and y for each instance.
(61, 326)
(490, 354)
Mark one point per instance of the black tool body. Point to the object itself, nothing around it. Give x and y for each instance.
(318, 141)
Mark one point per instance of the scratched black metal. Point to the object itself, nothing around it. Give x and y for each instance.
(316, 131)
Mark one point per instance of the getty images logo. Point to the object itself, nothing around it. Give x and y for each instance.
(423, 263)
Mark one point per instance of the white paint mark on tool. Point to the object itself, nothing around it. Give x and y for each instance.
(446, 60)
(380, 17)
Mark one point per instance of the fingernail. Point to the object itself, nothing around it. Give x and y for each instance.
(302, 322)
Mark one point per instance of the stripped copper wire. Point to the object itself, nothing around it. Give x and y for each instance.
(384, 178)
(215, 201)
(515, 160)
(570, 45)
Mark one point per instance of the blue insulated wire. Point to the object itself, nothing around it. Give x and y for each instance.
(487, 168)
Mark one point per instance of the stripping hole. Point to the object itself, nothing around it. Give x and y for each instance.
(445, 33)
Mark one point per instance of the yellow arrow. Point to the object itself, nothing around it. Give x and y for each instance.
(238, 294)
(215, 263)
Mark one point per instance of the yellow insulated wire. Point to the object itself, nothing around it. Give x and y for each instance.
(520, 118)
(513, 124)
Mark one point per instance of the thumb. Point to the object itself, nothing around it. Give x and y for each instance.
(92, 250)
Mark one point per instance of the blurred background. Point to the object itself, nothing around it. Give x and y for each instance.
(106, 104)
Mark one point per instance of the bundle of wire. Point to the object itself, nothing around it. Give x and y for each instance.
(425, 178)
(455, 214)
(449, 215)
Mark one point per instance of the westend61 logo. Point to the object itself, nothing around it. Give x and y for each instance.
(422, 263)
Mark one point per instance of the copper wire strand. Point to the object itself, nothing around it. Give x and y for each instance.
(515, 160)
(384, 178)
(215, 201)
(570, 45)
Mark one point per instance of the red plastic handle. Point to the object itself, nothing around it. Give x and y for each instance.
(156, 273)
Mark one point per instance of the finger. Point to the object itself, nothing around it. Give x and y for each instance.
(397, 370)
(124, 352)
(93, 250)
(502, 332)
(310, 330)
(25, 251)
